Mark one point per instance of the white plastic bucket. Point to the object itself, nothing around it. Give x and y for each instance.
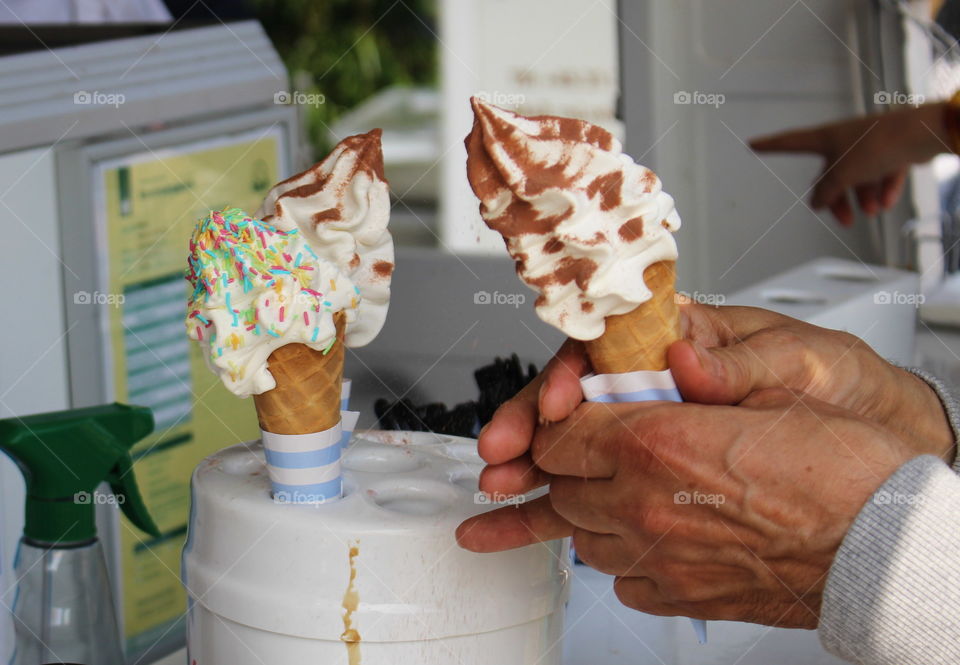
(375, 578)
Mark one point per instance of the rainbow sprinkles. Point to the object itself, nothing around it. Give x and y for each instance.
(256, 288)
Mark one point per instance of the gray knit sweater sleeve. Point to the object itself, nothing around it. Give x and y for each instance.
(948, 397)
(892, 596)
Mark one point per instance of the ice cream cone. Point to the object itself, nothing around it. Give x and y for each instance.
(307, 396)
(638, 340)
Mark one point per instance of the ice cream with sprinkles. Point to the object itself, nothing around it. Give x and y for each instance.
(257, 288)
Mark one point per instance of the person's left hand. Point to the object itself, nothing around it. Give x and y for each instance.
(710, 512)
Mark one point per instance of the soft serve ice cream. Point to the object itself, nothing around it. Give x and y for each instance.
(592, 231)
(342, 206)
(582, 220)
(276, 298)
(255, 289)
(318, 245)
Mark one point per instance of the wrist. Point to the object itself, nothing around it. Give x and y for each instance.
(950, 112)
(920, 418)
(937, 132)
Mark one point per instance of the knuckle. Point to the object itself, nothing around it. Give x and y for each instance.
(785, 340)
(639, 457)
(641, 594)
(585, 546)
(739, 366)
(849, 341)
(776, 355)
(683, 584)
(670, 581)
(848, 353)
(561, 498)
(679, 584)
(625, 590)
(652, 521)
(648, 437)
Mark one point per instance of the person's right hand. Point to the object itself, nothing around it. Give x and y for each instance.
(868, 155)
(504, 442)
(728, 353)
(712, 512)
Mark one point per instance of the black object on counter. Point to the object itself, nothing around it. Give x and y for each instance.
(498, 382)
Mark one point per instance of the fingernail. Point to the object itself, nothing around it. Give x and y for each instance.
(543, 391)
(708, 361)
(482, 430)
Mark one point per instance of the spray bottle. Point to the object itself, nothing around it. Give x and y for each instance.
(63, 608)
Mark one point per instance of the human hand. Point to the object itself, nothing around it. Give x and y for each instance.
(504, 442)
(728, 353)
(868, 155)
(711, 512)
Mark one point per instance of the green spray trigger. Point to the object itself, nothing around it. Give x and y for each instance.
(65, 455)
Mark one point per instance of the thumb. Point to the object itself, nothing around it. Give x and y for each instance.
(727, 375)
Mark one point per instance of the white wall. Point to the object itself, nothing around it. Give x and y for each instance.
(555, 58)
(777, 64)
(33, 373)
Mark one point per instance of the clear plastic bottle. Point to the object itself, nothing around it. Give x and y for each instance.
(63, 609)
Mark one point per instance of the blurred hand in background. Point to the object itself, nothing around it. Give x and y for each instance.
(865, 157)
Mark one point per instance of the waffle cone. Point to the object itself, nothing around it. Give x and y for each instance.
(638, 340)
(307, 396)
